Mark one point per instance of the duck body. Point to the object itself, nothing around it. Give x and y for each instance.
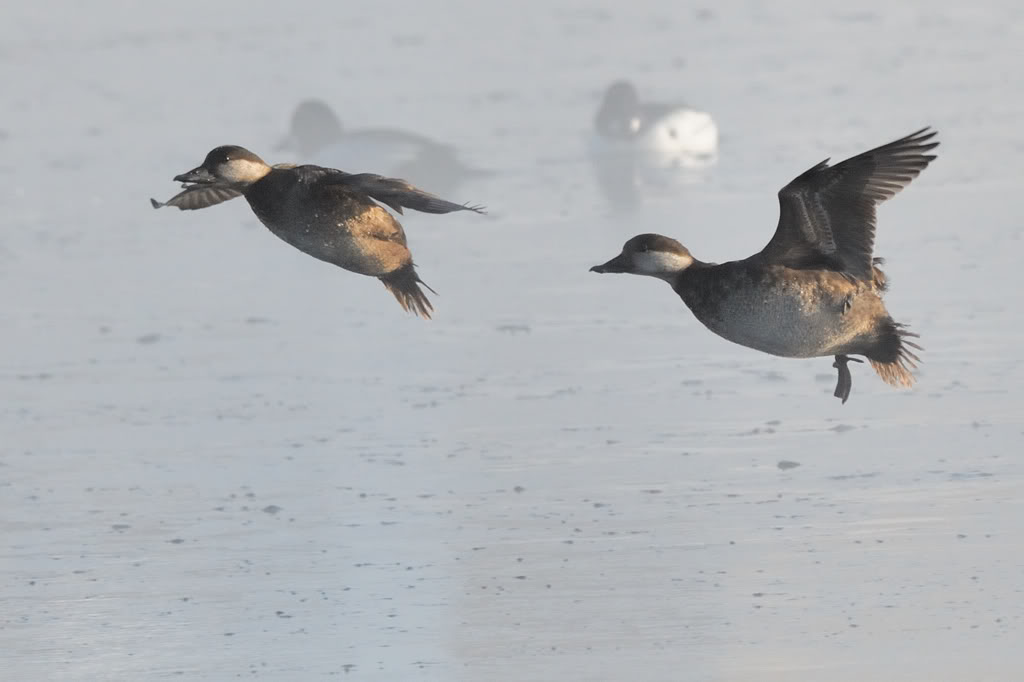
(334, 216)
(816, 289)
(328, 222)
(784, 311)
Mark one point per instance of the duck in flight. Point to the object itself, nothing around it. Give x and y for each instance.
(327, 213)
(816, 289)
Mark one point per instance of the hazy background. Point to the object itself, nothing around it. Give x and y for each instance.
(223, 459)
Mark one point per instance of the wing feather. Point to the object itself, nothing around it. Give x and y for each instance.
(827, 213)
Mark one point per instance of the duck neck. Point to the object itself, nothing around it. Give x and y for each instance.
(685, 277)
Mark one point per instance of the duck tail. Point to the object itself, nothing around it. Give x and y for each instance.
(878, 278)
(892, 356)
(405, 283)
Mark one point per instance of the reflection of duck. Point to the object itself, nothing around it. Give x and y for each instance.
(815, 289)
(675, 134)
(317, 135)
(651, 145)
(326, 213)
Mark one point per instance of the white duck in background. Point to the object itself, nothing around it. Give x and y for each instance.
(638, 147)
(671, 135)
(316, 136)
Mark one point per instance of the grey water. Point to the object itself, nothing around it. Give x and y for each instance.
(222, 459)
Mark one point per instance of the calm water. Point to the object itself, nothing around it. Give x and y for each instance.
(222, 459)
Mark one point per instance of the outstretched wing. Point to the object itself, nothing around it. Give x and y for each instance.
(827, 214)
(393, 192)
(198, 196)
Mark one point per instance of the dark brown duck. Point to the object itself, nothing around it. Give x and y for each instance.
(327, 213)
(815, 290)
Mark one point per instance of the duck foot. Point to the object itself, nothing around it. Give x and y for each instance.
(845, 382)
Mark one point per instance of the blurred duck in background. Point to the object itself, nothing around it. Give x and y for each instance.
(653, 144)
(675, 132)
(317, 136)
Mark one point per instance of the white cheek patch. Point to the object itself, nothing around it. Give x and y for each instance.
(244, 170)
(660, 262)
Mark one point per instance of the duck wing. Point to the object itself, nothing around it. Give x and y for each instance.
(198, 196)
(393, 192)
(827, 213)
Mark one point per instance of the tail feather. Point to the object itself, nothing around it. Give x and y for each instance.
(404, 283)
(879, 278)
(894, 358)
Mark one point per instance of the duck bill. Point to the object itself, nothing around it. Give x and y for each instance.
(617, 264)
(199, 176)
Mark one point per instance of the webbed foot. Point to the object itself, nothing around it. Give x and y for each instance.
(845, 382)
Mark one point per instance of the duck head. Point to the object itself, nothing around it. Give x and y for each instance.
(227, 166)
(314, 126)
(619, 115)
(652, 255)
